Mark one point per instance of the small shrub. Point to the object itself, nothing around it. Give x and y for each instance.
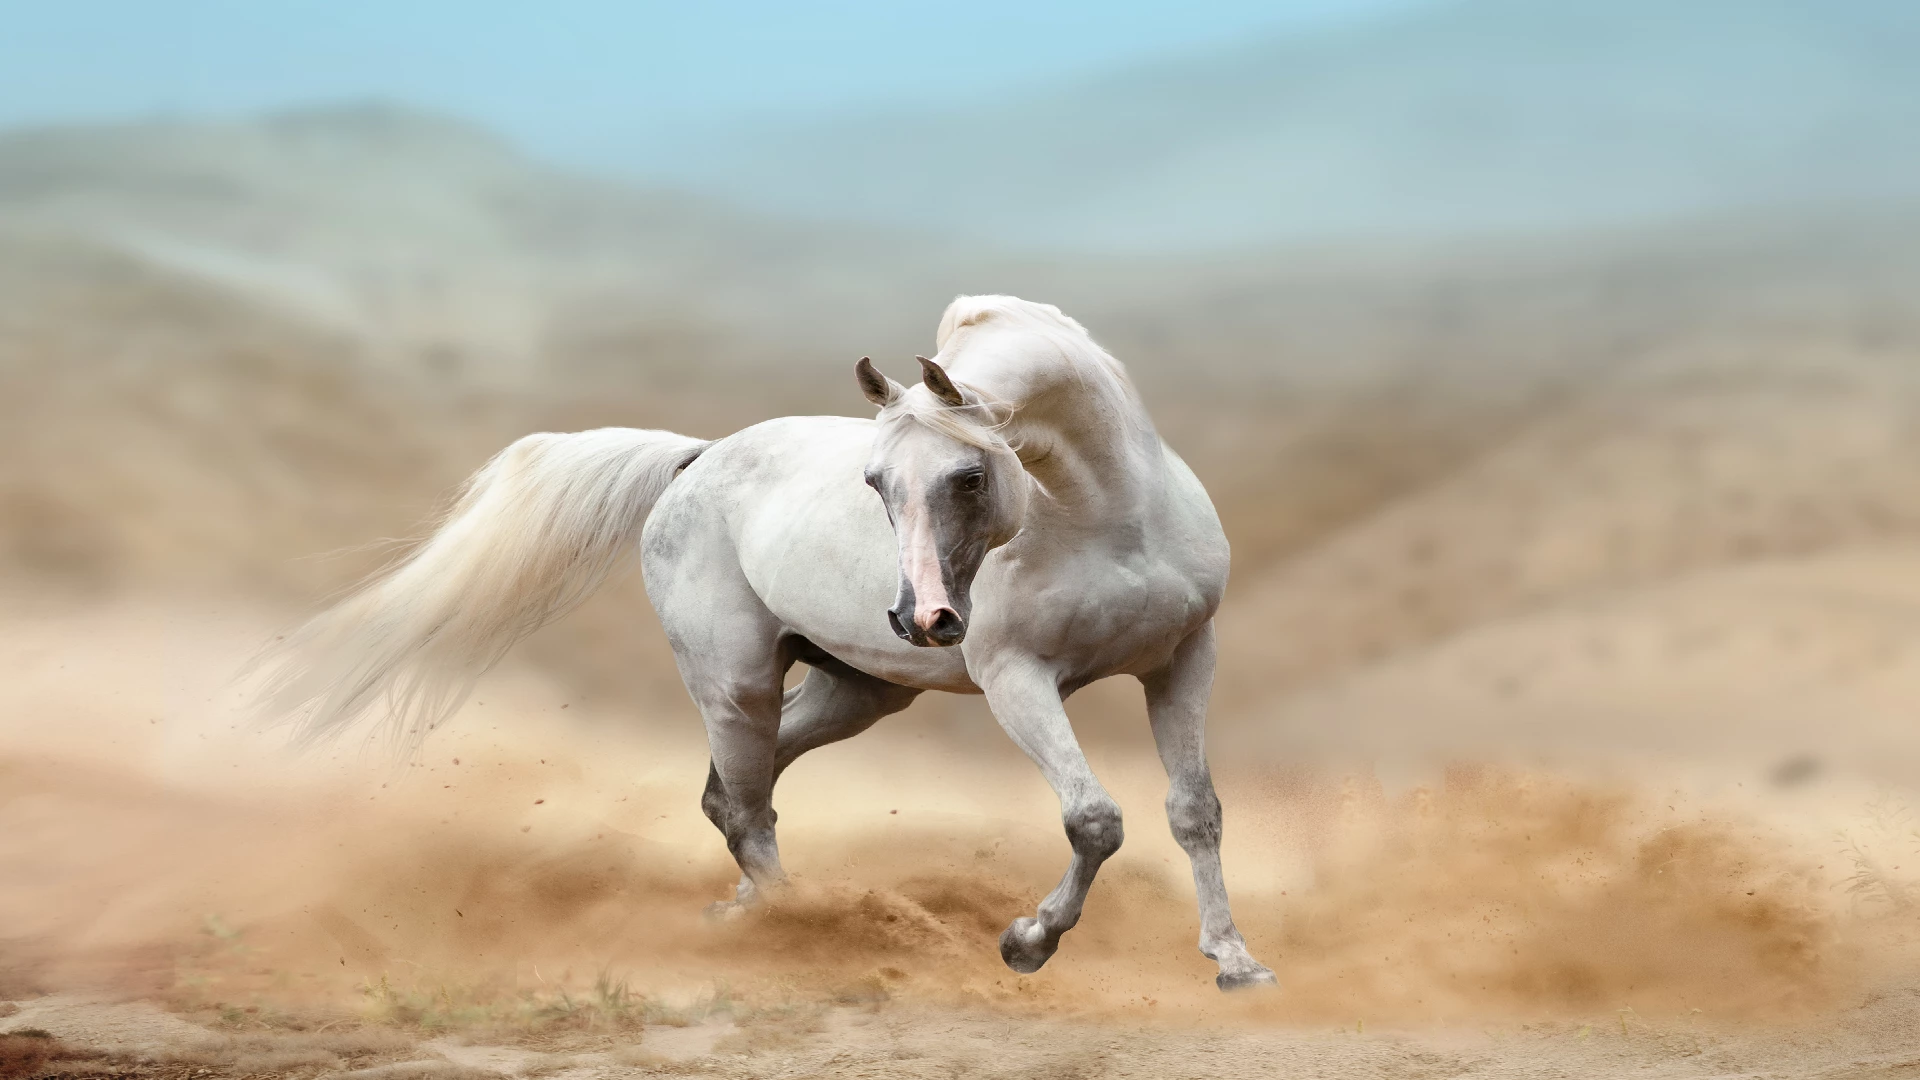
(26, 1052)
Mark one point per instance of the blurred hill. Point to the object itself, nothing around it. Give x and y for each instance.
(409, 231)
(1781, 434)
(1452, 118)
(228, 347)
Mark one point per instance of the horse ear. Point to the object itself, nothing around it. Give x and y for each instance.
(935, 378)
(879, 389)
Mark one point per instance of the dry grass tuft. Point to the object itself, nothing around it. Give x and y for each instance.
(274, 1053)
(420, 1070)
(549, 1065)
(282, 1061)
(771, 1030)
(367, 1041)
(27, 1052)
(639, 1057)
(24, 1055)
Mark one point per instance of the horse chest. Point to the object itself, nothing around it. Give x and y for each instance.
(1107, 616)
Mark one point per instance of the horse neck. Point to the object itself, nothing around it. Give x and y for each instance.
(1090, 446)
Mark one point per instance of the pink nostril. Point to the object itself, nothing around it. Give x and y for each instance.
(928, 618)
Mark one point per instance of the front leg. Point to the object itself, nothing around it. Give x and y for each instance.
(1177, 708)
(1025, 698)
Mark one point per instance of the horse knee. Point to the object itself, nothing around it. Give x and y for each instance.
(1194, 816)
(1094, 830)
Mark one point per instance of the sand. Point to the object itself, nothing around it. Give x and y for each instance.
(532, 890)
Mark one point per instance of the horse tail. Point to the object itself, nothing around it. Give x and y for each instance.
(530, 536)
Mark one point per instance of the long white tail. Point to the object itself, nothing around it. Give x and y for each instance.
(531, 536)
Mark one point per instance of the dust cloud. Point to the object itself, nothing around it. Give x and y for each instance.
(163, 848)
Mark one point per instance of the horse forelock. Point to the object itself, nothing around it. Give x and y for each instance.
(962, 423)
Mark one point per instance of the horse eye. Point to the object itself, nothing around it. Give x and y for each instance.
(973, 481)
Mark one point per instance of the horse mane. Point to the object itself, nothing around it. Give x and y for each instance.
(1082, 354)
(968, 311)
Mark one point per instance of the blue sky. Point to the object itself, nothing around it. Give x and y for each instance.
(583, 80)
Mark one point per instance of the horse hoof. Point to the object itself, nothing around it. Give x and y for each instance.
(1025, 947)
(1245, 980)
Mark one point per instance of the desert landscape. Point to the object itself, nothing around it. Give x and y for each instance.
(1570, 670)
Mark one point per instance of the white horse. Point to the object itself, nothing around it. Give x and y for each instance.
(1042, 537)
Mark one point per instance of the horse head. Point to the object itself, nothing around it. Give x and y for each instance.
(953, 488)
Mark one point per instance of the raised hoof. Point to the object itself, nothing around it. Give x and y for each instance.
(1025, 947)
(1245, 980)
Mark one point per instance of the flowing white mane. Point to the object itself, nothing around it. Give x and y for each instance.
(968, 311)
(1074, 347)
(985, 341)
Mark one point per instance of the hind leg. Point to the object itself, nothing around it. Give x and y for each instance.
(741, 707)
(733, 658)
(1177, 708)
(834, 702)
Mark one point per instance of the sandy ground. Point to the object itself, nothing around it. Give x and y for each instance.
(185, 898)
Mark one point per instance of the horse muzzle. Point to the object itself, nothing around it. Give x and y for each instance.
(942, 627)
